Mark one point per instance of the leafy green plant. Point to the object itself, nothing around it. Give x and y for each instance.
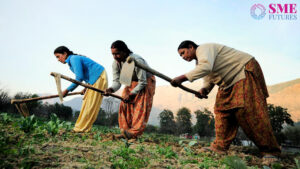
(25, 151)
(124, 158)
(27, 163)
(126, 143)
(235, 162)
(67, 126)
(84, 137)
(273, 166)
(189, 161)
(208, 162)
(97, 136)
(167, 152)
(54, 125)
(52, 128)
(3, 142)
(192, 143)
(28, 124)
(276, 166)
(82, 160)
(248, 158)
(141, 148)
(188, 150)
(297, 163)
(5, 118)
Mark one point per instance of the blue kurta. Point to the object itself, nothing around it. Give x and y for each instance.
(84, 68)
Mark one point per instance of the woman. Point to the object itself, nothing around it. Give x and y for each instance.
(135, 110)
(85, 69)
(241, 97)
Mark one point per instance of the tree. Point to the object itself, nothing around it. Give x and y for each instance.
(110, 106)
(101, 118)
(107, 119)
(4, 100)
(292, 133)
(76, 114)
(279, 116)
(33, 106)
(62, 111)
(205, 123)
(167, 123)
(113, 120)
(183, 120)
(150, 129)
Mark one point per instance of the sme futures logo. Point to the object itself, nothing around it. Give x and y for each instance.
(275, 11)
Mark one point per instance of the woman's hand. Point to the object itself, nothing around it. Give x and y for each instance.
(108, 91)
(83, 91)
(65, 93)
(202, 93)
(178, 80)
(129, 98)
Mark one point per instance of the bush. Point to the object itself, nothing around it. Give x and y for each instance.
(28, 124)
(4, 101)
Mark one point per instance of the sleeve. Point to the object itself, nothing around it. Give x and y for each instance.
(142, 77)
(207, 84)
(206, 55)
(78, 71)
(116, 77)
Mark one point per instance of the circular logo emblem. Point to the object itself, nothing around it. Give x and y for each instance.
(258, 11)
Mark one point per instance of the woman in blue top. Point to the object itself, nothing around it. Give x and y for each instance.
(85, 69)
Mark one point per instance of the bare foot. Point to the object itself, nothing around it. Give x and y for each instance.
(126, 134)
(117, 136)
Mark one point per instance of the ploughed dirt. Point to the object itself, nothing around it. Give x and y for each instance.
(96, 150)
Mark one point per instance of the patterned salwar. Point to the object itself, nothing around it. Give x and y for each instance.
(244, 105)
(133, 117)
(91, 105)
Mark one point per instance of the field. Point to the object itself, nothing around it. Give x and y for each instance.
(37, 143)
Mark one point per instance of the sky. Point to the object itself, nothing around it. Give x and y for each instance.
(30, 31)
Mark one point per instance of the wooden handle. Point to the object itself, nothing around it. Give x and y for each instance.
(86, 85)
(13, 101)
(148, 69)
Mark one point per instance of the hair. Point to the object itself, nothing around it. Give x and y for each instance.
(121, 46)
(186, 44)
(62, 50)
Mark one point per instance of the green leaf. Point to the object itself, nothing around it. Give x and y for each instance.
(235, 162)
(192, 143)
(297, 163)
